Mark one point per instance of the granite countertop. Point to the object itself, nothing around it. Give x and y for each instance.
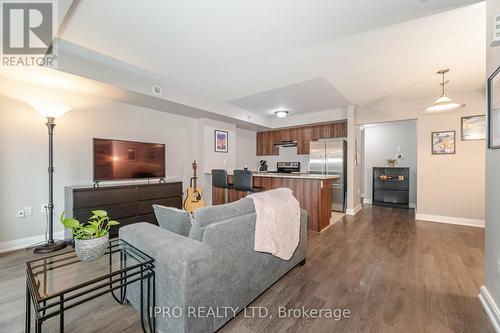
(299, 175)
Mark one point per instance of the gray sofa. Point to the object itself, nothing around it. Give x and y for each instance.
(211, 264)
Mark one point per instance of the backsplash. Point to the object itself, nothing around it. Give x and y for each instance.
(287, 154)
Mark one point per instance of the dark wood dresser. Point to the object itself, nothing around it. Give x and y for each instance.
(125, 203)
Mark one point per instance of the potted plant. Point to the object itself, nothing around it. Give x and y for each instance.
(391, 162)
(91, 238)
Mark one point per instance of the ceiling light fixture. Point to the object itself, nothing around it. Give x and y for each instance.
(281, 113)
(443, 103)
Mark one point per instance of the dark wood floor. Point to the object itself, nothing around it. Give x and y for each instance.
(392, 273)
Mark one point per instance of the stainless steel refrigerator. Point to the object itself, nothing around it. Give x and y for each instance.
(329, 157)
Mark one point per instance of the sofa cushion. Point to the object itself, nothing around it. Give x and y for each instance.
(173, 219)
(205, 216)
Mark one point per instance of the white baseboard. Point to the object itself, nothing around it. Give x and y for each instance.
(450, 220)
(368, 201)
(490, 308)
(354, 211)
(22, 243)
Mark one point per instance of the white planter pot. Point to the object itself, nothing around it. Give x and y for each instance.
(91, 249)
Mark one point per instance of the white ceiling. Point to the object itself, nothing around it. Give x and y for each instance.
(304, 97)
(254, 53)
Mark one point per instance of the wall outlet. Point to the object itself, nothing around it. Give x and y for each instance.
(28, 211)
(20, 213)
(43, 209)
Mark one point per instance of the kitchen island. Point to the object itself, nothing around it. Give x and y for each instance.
(314, 193)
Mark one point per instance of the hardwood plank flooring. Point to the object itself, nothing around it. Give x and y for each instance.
(393, 273)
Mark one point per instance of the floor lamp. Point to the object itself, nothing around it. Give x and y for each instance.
(50, 111)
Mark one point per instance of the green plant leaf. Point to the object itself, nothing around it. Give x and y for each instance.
(100, 213)
(70, 223)
(113, 222)
(95, 223)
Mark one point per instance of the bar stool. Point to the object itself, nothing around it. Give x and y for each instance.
(219, 180)
(243, 181)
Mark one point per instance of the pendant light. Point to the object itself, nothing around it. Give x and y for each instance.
(443, 103)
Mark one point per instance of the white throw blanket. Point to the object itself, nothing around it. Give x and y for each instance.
(277, 228)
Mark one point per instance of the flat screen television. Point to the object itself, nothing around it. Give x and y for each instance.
(119, 159)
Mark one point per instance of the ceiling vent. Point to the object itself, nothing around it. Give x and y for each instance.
(157, 90)
(495, 41)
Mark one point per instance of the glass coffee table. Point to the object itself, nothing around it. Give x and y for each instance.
(60, 282)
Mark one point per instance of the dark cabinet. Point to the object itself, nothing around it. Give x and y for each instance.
(391, 187)
(125, 203)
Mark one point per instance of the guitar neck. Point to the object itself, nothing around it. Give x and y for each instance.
(194, 176)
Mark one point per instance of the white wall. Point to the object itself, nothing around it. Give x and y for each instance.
(24, 154)
(449, 188)
(492, 233)
(246, 149)
(353, 161)
(381, 143)
(208, 158)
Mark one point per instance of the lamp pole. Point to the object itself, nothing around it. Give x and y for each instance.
(51, 245)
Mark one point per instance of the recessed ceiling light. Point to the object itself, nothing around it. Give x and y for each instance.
(281, 113)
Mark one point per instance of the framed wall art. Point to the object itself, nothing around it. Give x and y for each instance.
(443, 143)
(221, 141)
(474, 128)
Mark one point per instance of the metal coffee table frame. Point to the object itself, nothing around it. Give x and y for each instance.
(46, 307)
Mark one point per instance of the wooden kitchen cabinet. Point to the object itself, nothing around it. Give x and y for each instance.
(265, 141)
(303, 135)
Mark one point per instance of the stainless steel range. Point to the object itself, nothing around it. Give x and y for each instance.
(288, 167)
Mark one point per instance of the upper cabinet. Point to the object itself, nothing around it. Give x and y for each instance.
(303, 135)
(265, 141)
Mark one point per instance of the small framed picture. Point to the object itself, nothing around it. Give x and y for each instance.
(443, 143)
(473, 128)
(132, 155)
(494, 110)
(221, 141)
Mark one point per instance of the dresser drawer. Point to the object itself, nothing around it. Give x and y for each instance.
(115, 212)
(101, 197)
(159, 191)
(146, 207)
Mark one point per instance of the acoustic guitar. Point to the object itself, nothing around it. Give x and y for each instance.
(193, 198)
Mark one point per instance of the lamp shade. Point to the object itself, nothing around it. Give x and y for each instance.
(50, 110)
(443, 104)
